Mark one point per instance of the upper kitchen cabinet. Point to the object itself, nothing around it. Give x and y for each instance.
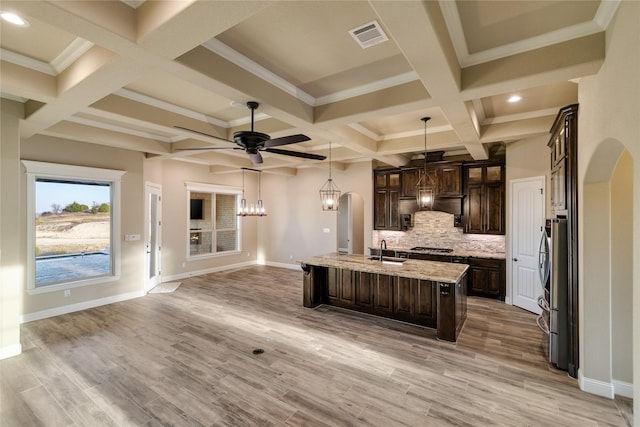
(449, 180)
(563, 159)
(409, 178)
(484, 205)
(386, 198)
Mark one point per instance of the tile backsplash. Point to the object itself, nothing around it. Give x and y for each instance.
(435, 229)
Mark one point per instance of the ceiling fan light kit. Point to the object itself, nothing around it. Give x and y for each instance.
(251, 210)
(254, 142)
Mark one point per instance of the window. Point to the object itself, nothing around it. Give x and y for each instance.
(213, 221)
(73, 226)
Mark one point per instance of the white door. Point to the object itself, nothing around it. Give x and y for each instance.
(527, 223)
(152, 235)
(345, 224)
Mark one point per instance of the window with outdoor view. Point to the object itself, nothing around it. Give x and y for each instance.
(213, 221)
(73, 239)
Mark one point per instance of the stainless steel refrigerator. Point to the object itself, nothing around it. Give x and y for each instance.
(554, 263)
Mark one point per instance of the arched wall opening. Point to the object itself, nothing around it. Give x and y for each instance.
(606, 283)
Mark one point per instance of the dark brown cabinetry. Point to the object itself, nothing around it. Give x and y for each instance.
(486, 277)
(341, 287)
(564, 203)
(424, 302)
(386, 198)
(449, 180)
(484, 204)
(409, 178)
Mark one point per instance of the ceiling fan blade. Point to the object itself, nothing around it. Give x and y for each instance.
(201, 133)
(291, 139)
(295, 154)
(208, 148)
(256, 158)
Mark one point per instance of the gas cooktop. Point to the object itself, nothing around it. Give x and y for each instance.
(425, 248)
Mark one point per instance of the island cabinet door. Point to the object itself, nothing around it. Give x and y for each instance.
(383, 294)
(426, 303)
(347, 288)
(333, 276)
(364, 290)
(404, 298)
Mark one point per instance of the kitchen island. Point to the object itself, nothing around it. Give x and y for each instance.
(427, 293)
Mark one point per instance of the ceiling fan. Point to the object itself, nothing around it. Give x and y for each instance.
(254, 142)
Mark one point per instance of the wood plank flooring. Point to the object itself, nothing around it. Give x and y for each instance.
(186, 359)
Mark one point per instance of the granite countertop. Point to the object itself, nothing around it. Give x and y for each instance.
(414, 269)
(456, 252)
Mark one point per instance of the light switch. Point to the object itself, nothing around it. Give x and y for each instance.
(326, 230)
(131, 237)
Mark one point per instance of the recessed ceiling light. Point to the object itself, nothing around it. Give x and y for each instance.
(514, 98)
(14, 19)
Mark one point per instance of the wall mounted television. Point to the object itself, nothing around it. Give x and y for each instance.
(196, 209)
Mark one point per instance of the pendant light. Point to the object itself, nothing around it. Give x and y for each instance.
(251, 210)
(425, 188)
(329, 193)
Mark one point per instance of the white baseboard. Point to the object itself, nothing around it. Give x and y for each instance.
(597, 387)
(507, 300)
(57, 311)
(284, 265)
(188, 274)
(622, 388)
(10, 351)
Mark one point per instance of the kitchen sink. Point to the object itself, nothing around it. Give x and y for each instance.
(388, 259)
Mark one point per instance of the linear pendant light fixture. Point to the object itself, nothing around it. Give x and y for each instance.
(426, 185)
(329, 192)
(252, 210)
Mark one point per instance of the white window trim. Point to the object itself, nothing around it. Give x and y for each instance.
(35, 170)
(200, 187)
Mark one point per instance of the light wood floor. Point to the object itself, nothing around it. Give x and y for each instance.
(185, 358)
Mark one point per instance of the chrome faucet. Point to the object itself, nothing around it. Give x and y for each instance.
(382, 243)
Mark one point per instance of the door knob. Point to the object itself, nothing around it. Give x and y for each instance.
(515, 259)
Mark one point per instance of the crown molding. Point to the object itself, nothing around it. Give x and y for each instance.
(119, 129)
(25, 61)
(70, 54)
(522, 116)
(154, 102)
(219, 48)
(367, 88)
(601, 21)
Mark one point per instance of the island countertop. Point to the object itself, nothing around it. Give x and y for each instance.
(414, 269)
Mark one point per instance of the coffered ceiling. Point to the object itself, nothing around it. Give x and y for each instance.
(126, 73)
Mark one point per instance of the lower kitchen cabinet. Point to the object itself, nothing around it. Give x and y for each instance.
(383, 294)
(487, 277)
(438, 305)
(341, 287)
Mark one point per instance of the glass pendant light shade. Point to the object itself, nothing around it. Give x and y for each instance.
(425, 189)
(329, 192)
(251, 210)
(330, 196)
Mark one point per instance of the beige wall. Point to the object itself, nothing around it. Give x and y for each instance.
(294, 228)
(528, 158)
(622, 269)
(607, 124)
(55, 150)
(12, 268)
(175, 220)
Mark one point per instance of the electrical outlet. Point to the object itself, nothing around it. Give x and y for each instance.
(326, 230)
(290, 257)
(184, 264)
(248, 254)
(67, 293)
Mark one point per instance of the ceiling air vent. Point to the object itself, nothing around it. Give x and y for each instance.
(369, 34)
